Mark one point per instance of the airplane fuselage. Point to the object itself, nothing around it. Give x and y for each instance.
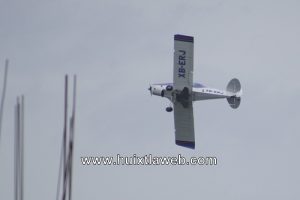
(199, 92)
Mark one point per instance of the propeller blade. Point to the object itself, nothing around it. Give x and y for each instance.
(150, 89)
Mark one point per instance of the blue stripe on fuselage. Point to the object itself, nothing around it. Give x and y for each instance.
(195, 85)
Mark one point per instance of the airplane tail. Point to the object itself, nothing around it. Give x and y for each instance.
(234, 91)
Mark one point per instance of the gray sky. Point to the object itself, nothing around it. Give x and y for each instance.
(117, 49)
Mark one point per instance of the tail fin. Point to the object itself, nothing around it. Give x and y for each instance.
(234, 90)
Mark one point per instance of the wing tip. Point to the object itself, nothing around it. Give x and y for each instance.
(187, 144)
(184, 38)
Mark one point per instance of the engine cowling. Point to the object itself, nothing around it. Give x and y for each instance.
(159, 91)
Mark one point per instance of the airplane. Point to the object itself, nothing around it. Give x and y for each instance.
(183, 91)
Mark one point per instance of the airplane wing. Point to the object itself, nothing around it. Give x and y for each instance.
(183, 83)
(183, 62)
(184, 125)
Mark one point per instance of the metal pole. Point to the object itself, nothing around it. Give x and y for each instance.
(21, 147)
(16, 153)
(65, 140)
(72, 132)
(3, 95)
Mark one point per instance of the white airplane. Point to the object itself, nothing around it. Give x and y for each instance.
(183, 91)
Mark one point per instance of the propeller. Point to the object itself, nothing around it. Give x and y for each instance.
(150, 89)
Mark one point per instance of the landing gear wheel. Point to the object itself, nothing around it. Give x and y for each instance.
(169, 88)
(169, 109)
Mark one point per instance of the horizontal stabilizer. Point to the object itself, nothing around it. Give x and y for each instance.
(234, 90)
(234, 102)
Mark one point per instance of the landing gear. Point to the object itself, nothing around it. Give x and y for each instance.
(169, 109)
